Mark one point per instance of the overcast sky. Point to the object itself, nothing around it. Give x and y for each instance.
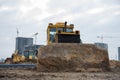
(92, 17)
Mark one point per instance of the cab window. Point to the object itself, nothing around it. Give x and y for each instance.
(52, 34)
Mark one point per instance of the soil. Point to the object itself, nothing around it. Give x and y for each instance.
(29, 74)
(72, 57)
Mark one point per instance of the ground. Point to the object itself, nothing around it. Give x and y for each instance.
(28, 74)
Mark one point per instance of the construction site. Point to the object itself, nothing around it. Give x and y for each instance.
(65, 57)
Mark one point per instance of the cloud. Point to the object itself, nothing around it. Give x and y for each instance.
(117, 13)
(4, 8)
(33, 9)
(96, 11)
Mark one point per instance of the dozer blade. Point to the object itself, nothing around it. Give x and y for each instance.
(72, 57)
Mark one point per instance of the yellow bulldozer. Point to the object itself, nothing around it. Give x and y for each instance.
(62, 33)
(27, 56)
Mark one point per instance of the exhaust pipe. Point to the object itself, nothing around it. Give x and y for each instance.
(65, 26)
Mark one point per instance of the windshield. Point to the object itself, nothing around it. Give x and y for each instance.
(52, 29)
(67, 30)
(52, 34)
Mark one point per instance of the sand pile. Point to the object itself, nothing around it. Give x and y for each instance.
(72, 58)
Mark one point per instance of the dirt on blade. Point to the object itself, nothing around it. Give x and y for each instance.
(67, 57)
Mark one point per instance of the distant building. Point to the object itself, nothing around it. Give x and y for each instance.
(118, 53)
(102, 45)
(21, 42)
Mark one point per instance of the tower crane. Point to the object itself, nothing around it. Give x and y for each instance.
(113, 37)
(35, 35)
(102, 37)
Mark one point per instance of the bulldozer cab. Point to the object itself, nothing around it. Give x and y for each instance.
(62, 33)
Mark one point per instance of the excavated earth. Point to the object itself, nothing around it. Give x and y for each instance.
(67, 57)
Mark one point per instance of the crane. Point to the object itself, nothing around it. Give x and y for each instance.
(35, 35)
(17, 32)
(113, 37)
(102, 37)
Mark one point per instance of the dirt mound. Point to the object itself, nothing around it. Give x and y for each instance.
(72, 57)
(115, 65)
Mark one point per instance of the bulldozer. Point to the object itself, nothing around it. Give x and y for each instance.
(65, 52)
(26, 57)
(62, 33)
